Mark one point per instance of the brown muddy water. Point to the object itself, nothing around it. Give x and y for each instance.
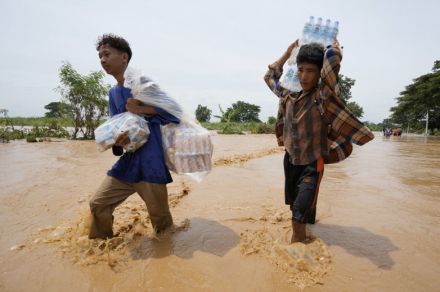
(378, 223)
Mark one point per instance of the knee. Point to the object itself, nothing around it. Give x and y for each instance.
(95, 205)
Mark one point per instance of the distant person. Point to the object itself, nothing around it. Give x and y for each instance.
(314, 126)
(387, 132)
(143, 171)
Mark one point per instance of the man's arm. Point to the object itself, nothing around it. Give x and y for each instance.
(275, 71)
(121, 139)
(330, 70)
(137, 107)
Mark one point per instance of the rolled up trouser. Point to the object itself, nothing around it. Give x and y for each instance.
(113, 192)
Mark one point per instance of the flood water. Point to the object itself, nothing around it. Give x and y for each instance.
(378, 223)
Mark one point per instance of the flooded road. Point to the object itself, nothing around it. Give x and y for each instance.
(378, 222)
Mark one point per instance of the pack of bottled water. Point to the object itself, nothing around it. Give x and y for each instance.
(313, 32)
(135, 127)
(188, 148)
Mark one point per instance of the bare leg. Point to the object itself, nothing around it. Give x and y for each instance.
(299, 232)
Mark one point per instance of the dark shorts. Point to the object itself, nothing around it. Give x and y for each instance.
(302, 187)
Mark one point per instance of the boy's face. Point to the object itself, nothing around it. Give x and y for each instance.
(308, 75)
(113, 61)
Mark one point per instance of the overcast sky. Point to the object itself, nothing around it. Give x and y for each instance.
(213, 52)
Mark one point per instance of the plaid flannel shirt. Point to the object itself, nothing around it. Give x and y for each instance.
(343, 128)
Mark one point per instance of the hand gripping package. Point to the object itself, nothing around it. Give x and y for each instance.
(134, 125)
(187, 146)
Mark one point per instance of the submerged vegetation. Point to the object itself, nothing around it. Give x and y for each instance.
(31, 129)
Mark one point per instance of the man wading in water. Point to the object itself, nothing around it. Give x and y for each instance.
(143, 171)
(313, 125)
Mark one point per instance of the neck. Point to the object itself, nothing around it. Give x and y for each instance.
(120, 76)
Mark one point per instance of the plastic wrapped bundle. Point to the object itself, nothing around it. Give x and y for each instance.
(313, 32)
(188, 149)
(146, 90)
(187, 146)
(134, 125)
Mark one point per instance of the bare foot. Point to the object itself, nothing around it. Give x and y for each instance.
(299, 232)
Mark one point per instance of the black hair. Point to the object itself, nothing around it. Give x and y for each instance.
(115, 42)
(311, 53)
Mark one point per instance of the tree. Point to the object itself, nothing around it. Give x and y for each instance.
(57, 109)
(85, 94)
(243, 112)
(346, 84)
(418, 99)
(271, 120)
(203, 114)
(356, 109)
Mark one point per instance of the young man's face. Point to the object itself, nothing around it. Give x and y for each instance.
(113, 61)
(308, 75)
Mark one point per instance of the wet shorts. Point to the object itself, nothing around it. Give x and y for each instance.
(301, 188)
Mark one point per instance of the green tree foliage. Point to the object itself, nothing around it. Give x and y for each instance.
(271, 120)
(356, 109)
(418, 98)
(85, 94)
(228, 125)
(58, 109)
(346, 84)
(243, 112)
(203, 113)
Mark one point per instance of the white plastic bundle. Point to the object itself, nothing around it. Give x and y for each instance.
(187, 146)
(147, 91)
(135, 126)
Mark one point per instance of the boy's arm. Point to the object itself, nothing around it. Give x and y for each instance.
(157, 114)
(275, 71)
(330, 70)
(137, 107)
(112, 110)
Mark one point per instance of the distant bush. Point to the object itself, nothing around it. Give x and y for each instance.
(262, 128)
(240, 128)
(40, 128)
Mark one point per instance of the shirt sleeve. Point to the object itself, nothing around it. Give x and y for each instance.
(162, 117)
(273, 82)
(112, 110)
(117, 150)
(330, 71)
(340, 148)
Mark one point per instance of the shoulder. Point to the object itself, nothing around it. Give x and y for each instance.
(111, 92)
(118, 91)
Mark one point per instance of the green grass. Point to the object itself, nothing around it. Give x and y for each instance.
(240, 128)
(35, 121)
(14, 128)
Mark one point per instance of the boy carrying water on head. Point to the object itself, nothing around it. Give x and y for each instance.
(313, 125)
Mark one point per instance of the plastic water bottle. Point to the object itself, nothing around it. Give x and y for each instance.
(316, 28)
(307, 35)
(334, 32)
(307, 31)
(326, 32)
